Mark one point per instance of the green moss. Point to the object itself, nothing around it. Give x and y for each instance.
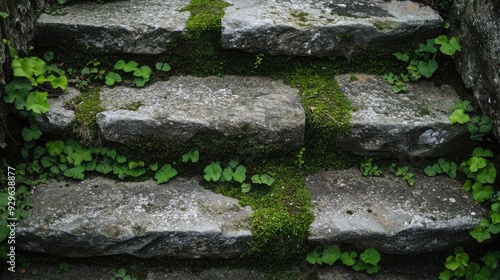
(282, 215)
(205, 15)
(383, 25)
(86, 108)
(301, 16)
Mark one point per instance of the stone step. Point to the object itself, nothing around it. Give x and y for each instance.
(132, 26)
(295, 27)
(252, 109)
(409, 126)
(100, 216)
(325, 27)
(263, 112)
(387, 214)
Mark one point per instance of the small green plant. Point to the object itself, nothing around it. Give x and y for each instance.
(162, 66)
(367, 260)
(460, 265)
(370, 169)
(64, 267)
(478, 126)
(165, 173)
(300, 157)
(121, 274)
(482, 172)
(141, 74)
(404, 173)
(258, 60)
(192, 156)
(442, 166)
(3, 14)
(421, 63)
(27, 92)
(235, 172)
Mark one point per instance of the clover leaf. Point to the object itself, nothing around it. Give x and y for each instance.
(459, 116)
(427, 68)
(481, 193)
(245, 187)
(165, 173)
(161, 66)
(331, 255)
(31, 133)
(370, 256)
(213, 172)
(240, 174)
(113, 78)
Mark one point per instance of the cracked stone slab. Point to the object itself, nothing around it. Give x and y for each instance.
(132, 26)
(99, 217)
(411, 125)
(183, 107)
(385, 213)
(325, 27)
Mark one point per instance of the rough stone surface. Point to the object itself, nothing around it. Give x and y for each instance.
(324, 28)
(387, 214)
(134, 26)
(476, 23)
(412, 124)
(59, 119)
(99, 217)
(261, 109)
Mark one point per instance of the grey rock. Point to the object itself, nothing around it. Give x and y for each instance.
(99, 217)
(60, 118)
(261, 109)
(324, 28)
(476, 23)
(387, 214)
(414, 124)
(134, 26)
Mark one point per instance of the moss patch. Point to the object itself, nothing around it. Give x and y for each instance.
(87, 106)
(282, 216)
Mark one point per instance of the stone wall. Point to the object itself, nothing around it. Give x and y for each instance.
(19, 29)
(477, 25)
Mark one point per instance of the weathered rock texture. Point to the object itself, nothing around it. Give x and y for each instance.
(134, 26)
(412, 124)
(325, 28)
(19, 29)
(99, 217)
(476, 23)
(60, 118)
(387, 214)
(261, 109)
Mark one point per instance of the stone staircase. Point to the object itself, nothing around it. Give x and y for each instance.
(100, 216)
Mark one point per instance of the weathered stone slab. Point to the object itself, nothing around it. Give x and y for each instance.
(411, 124)
(387, 214)
(60, 118)
(476, 23)
(133, 26)
(324, 28)
(260, 109)
(99, 217)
